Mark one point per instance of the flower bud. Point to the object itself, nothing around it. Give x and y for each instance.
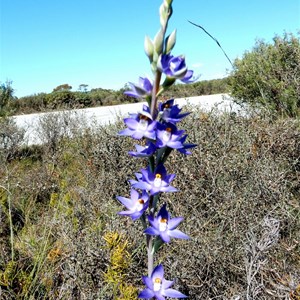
(165, 12)
(162, 15)
(158, 42)
(149, 48)
(170, 42)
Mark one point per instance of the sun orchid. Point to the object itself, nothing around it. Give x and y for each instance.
(170, 112)
(143, 151)
(188, 77)
(172, 66)
(158, 181)
(142, 89)
(136, 205)
(157, 286)
(164, 226)
(167, 135)
(139, 125)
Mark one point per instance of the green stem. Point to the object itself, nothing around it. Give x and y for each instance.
(143, 220)
(11, 226)
(166, 154)
(151, 163)
(149, 239)
(160, 154)
(154, 93)
(150, 254)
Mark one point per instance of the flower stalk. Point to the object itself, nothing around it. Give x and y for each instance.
(156, 126)
(155, 92)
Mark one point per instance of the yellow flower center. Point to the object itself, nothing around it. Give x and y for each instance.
(157, 284)
(163, 224)
(157, 180)
(167, 134)
(139, 205)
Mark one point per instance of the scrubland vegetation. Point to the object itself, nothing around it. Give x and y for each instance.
(239, 192)
(269, 76)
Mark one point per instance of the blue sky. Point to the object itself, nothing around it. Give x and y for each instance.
(45, 43)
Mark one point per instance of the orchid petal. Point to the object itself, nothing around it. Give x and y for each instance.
(178, 234)
(173, 293)
(146, 294)
(173, 223)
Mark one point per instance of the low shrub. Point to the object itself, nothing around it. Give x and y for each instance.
(240, 185)
(268, 76)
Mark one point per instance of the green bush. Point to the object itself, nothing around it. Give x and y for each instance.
(268, 76)
(11, 138)
(61, 99)
(32, 103)
(6, 96)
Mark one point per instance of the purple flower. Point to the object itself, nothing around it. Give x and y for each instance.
(172, 66)
(140, 125)
(146, 151)
(185, 146)
(142, 89)
(157, 286)
(170, 112)
(136, 205)
(165, 227)
(167, 135)
(156, 182)
(188, 77)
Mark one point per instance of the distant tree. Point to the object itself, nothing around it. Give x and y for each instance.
(269, 76)
(61, 99)
(62, 87)
(6, 94)
(83, 87)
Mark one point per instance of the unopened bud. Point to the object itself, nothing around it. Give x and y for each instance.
(149, 48)
(162, 15)
(170, 42)
(158, 42)
(165, 12)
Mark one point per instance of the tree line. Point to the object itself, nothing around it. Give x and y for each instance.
(62, 96)
(266, 77)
